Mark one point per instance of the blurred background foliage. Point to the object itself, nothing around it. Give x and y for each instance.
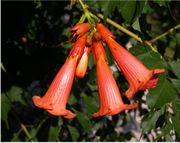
(35, 43)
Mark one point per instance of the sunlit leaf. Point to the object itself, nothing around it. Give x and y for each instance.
(136, 26)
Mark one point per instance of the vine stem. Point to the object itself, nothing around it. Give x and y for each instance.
(164, 34)
(133, 35)
(82, 4)
(26, 131)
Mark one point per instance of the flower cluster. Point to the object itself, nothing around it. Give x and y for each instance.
(88, 37)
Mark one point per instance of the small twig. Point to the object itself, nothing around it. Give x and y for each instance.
(2, 67)
(164, 34)
(26, 131)
(82, 4)
(127, 31)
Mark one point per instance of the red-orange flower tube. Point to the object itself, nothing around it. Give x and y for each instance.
(57, 95)
(78, 47)
(138, 76)
(111, 102)
(104, 32)
(80, 29)
(55, 99)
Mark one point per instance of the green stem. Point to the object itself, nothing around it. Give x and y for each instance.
(90, 17)
(127, 31)
(164, 34)
(2, 67)
(82, 4)
(82, 19)
(26, 131)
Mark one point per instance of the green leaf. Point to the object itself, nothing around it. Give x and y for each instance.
(175, 67)
(162, 2)
(74, 133)
(136, 26)
(176, 117)
(131, 10)
(148, 57)
(175, 120)
(33, 132)
(176, 105)
(15, 138)
(6, 107)
(60, 121)
(176, 83)
(53, 133)
(147, 9)
(91, 107)
(72, 99)
(91, 61)
(108, 6)
(92, 87)
(166, 129)
(15, 94)
(163, 93)
(150, 119)
(84, 120)
(66, 32)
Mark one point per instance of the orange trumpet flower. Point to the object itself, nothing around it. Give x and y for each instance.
(58, 93)
(78, 47)
(104, 32)
(111, 102)
(80, 29)
(138, 76)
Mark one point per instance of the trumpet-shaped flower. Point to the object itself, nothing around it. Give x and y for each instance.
(98, 50)
(80, 29)
(57, 95)
(138, 76)
(111, 102)
(83, 63)
(104, 32)
(78, 47)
